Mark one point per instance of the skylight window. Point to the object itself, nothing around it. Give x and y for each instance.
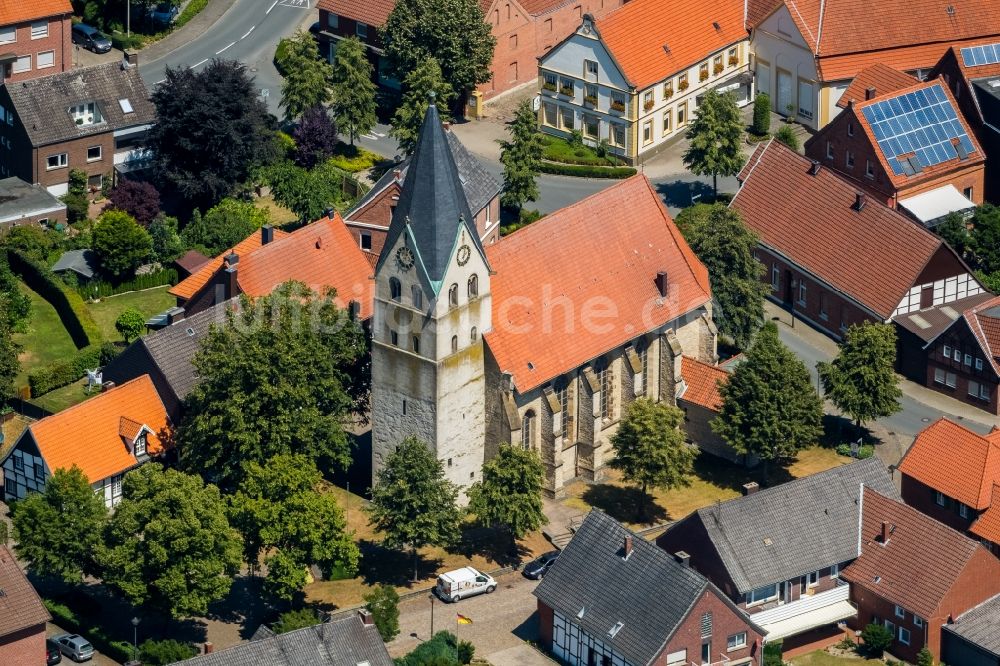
(126, 105)
(613, 631)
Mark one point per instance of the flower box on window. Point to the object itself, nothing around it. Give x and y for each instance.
(618, 106)
(703, 75)
(548, 85)
(668, 92)
(683, 85)
(590, 100)
(566, 90)
(718, 68)
(647, 105)
(733, 61)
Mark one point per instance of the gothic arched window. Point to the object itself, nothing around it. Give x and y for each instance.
(473, 286)
(453, 295)
(454, 344)
(528, 429)
(395, 289)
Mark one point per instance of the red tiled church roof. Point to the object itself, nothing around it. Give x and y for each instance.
(703, 381)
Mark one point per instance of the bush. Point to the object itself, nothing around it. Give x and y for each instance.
(131, 42)
(192, 10)
(146, 281)
(69, 305)
(161, 653)
(77, 207)
(786, 135)
(925, 658)
(846, 644)
(772, 654)
(586, 171)
(65, 372)
(559, 150)
(383, 603)
(865, 451)
(353, 158)
(761, 115)
(295, 619)
(109, 352)
(444, 649)
(137, 198)
(877, 639)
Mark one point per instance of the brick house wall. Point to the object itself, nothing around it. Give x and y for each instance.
(76, 154)
(959, 338)
(923, 498)
(59, 41)
(690, 536)
(24, 647)
(725, 623)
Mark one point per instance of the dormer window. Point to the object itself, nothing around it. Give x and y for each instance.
(85, 114)
(140, 444)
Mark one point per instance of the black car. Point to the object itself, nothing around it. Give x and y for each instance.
(540, 566)
(91, 38)
(52, 653)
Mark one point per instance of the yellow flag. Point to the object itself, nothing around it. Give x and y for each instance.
(463, 620)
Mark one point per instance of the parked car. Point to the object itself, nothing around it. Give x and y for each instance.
(462, 583)
(74, 646)
(52, 653)
(163, 12)
(91, 38)
(540, 565)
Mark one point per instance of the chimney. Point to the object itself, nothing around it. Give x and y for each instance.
(397, 174)
(859, 201)
(662, 283)
(366, 617)
(814, 168)
(870, 92)
(266, 234)
(130, 59)
(230, 283)
(107, 386)
(232, 259)
(750, 488)
(174, 315)
(683, 558)
(628, 546)
(884, 535)
(446, 125)
(209, 648)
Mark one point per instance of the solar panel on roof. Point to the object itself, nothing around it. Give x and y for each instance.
(987, 54)
(922, 122)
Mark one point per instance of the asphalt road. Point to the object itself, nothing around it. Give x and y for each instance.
(248, 32)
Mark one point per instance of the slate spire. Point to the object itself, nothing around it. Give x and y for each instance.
(432, 205)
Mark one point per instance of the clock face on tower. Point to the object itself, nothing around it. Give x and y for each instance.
(463, 255)
(404, 258)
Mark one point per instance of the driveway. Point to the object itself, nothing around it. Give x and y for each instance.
(500, 621)
(98, 660)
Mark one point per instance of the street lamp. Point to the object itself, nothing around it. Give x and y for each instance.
(431, 597)
(135, 638)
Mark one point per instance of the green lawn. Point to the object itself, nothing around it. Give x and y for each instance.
(46, 340)
(822, 658)
(67, 396)
(556, 149)
(149, 302)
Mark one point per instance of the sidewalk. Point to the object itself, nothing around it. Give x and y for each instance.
(187, 33)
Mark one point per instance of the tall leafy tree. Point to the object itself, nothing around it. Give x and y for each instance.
(57, 531)
(168, 544)
(453, 32)
(315, 137)
(862, 381)
(413, 504)
(353, 89)
(307, 76)
(986, 237)
(770, 409)
(307, 193)
(120, 243)
(521, 157)
(383, 603)
(725, 245)
(280, 508)
(419, 84)
(167, 244)
(212, 129)
(650, 449)
(299, 376)
(10, 364)
(224, 225)
(509, 496)
(138, 198)
(715, 137)
(954, 230)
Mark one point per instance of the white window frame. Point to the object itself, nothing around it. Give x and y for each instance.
(939, 498)
(939, 376)
(40, 29)
(869, 169)
(333, 20)
(140, 444)
(967, 360)
(51, 59)
(8, 34)
(736, 641)
(918, 621)
(775, 277)
(973, 388)
(62, 158)
(100, 154)
(899, 612)
(362, 237)
(835, 571)
(950, 379)
(17, 67)
(902, 631)
(956, 355)
(812, 579)
(979, 363)
(803, 292)
(752, 601)
(963, 510)
(947, 352)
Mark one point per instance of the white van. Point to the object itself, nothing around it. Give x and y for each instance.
(461, 583)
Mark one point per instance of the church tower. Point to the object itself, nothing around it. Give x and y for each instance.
(432, 306)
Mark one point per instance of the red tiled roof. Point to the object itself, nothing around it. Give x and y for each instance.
(873, 256)
(958, 462)
(18, 11)
(987, 526)
(371, 12)
(881, 77)
(921, 560)
(927, 173)
(702, 382)
(638, 32)
(191, 285)
(89, 435)
(904, 58)
(984, 322)
(320, 255)
(597, 261)
(537, 7)
(758, 10)
(975, 71)
(20, 605)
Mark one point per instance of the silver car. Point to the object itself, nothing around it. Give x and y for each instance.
(74, 646)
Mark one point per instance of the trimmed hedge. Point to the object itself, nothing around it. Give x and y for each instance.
(63, 373)
(68, 303)
(582, 171)
(101, 289)
(63, 615)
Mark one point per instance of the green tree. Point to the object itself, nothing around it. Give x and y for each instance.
(986, 237)
(786, 135)
(726, 246)
(299, 377)
(954, 230)
(167, 244)
(453, 32)
(383, 603)
(761, 114)
(29, 240)
(510, 493)
(413, 504)
(443, 649)
(862, 381)
(164, 652)
(353, 89)
(168, 544)
(521, 157)
(692, 219)
(409, 117)
(295, 619)
(130, 324)
(877, 639)
(307, 193)
(989, 280)
(212, 130)
(307, 76)
(650, 449)
(281, 508)
(57, 530)
(120, 243)
(224, 225)
(770, 409)
(10, 364)
(715, 138)
(925, 658)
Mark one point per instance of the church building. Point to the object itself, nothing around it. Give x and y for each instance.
(541, 339)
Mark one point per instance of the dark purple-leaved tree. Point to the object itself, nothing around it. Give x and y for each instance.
(139, 199)
(315, 137)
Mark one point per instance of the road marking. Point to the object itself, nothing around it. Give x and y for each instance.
(224, 48)
(381, 136)
(198, 63)
(369, 137)
(296, 4)
(159, 82)
(248, 33)
(271, 7)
